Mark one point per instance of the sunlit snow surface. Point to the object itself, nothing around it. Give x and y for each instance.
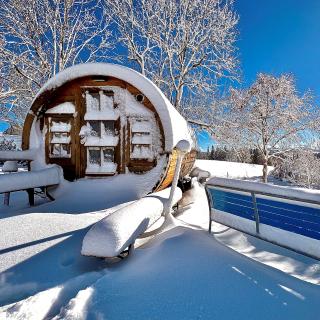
(183, 273)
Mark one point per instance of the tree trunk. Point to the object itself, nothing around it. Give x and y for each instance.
(265, 171)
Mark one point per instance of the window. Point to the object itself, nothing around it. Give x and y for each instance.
(141, 140)
(60, 139)
(101, 136)
(100, 160)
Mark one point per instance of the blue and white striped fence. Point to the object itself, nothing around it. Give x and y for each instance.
(285, 216)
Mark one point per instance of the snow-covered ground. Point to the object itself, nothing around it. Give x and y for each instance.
(226, 169)
(183, 273)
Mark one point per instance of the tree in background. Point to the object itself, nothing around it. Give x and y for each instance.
(300, 167)
(39, 38)
(186, 47)
(269, 116)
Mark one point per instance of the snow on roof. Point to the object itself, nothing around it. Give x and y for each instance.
(174, 125)
(65, 107)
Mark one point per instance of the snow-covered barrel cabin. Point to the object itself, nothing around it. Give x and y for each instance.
(101, 120)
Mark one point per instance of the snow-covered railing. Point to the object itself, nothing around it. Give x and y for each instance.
(27, 155)
(282, 215)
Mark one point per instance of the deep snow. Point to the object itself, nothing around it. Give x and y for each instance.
(183, 273)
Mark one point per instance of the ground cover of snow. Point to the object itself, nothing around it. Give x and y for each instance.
(227, 169)
(183, 273)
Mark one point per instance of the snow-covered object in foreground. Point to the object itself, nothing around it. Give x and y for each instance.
(10, 166)
(201, 175)
(26, 180)
(294, 193)
(110, 236)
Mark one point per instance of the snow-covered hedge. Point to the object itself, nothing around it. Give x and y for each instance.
(30, 179)
(110, 236)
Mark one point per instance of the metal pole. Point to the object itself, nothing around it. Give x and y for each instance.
(210, 204)
(182, 147)
(256, 212)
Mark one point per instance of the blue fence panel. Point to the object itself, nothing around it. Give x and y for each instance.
(300, 219)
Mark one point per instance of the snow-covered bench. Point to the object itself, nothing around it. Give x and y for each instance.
(28, 181)
(112, 235)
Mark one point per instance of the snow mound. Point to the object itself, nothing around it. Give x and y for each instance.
(110, 236)
(10, 166)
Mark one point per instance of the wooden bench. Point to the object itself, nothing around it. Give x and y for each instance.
(29, 181)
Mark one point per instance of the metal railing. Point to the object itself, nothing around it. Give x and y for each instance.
(281, 211)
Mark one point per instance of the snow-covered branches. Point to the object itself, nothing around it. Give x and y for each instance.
(269, 116)
(40, 38)
(300, 167)
(184, 46)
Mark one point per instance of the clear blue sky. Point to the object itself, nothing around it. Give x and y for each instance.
(279, 36)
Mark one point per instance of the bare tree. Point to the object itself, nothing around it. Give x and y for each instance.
(300, 167)
(39, 38)
(269, 116)
(185, 46)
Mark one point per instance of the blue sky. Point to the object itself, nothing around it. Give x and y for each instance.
(278, 36)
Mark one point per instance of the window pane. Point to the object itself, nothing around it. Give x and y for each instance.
(57, 135)
(56, 149)
(108, 155)
(94, 156)
(108, 128)
(65, 150)
(93, 102)
(95, 128)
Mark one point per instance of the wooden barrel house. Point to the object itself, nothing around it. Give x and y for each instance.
(100, 120)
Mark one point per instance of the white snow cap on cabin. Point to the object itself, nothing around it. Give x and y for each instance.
(65, 107)
(174, 125)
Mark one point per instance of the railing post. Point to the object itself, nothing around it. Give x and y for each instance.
(256, 212)
(210, 204)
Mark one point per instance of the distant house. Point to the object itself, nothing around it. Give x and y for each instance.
(100, 120)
